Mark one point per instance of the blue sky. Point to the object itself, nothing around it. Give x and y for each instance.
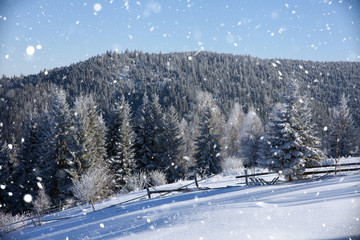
(38, 34)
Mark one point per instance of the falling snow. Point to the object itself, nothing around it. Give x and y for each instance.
(30, 50)
(28, 198)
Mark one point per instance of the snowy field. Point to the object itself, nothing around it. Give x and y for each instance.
(321, 208)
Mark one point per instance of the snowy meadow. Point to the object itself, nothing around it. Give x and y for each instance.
(324, 207)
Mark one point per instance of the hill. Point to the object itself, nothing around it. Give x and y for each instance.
(177, 78)
(325, 208)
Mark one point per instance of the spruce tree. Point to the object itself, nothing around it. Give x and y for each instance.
(292, 144)
(90, 133)
(151, 138)
(208, 147)
(174, 143)
(342, 139)
(121, 144)
(143, 138)
(61, 145)
(26, 173)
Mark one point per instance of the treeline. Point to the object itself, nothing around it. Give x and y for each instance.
(66, 152)
(176, 78)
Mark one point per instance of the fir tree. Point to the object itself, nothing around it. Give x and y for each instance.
(90, 133)
(342, 137)
(292, 144)
(61, 145)
(151, 138)
(26, 173)
(121, 144)
(143, 137)
(208, 145)
(174, 143)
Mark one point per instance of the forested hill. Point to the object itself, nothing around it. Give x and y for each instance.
(177, 78)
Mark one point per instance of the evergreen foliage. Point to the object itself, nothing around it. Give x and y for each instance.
(174, 143)
(290, 135)
(91, 133)
(62, 146)
(342, 139)
(208, 149)
(121, 138)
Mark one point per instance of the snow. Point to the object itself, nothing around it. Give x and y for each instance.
(97, 7)
(30, 50)
(27, 198)
(322, 208)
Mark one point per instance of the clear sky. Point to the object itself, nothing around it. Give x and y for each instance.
(43, 34)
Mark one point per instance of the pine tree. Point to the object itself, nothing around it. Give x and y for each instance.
(342, 137)
(208, 145)
(249, 137)
(121, 144)
(292, 144)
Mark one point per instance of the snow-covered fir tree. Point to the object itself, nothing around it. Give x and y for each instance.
(290, 135)
(250, 133)
(151, 139)
(61, 145)
(120, 149)
(342, 139)
(208, 147)
(90, 133)
(174, 143)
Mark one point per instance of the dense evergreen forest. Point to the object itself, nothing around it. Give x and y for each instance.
(169, 115)
(176, 78)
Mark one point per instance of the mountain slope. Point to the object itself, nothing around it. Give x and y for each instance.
(177, 78)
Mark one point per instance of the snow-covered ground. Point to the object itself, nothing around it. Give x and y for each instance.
(322, 208)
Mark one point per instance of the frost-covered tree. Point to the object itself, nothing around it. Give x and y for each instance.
(230, 140)
(249, 137)
(342, 139)
(174, 143)
(290, 135)
(60, 146)
(208, 147)
(94, 185)
(90, 133)
(41, 203)
(186, 159)
(120, 148)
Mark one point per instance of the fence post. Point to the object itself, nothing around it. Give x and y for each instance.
(92, 203)
(246, 177)
(147, 190)
(196, 181)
